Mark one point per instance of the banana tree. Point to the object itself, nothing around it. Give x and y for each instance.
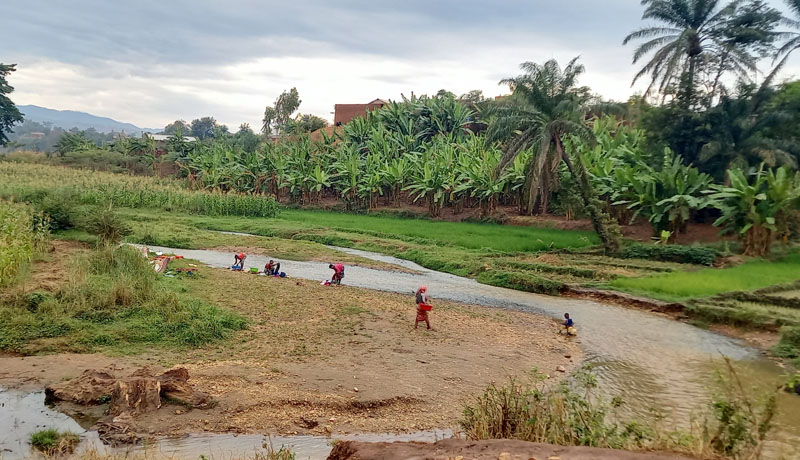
(478, 174)
(318, 179)
(396, 173)
(667, 198)
(372, 181)
(433, 178)
(348, 170)
(754, 208)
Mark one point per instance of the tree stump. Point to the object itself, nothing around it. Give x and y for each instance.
(135, 396)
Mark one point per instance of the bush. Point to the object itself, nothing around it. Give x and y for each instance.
(734, 424)
(521, 282)
(103, 222)
(671, 253)
(60, 208)
(789, 345)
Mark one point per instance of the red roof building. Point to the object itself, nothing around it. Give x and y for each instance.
(344, 113)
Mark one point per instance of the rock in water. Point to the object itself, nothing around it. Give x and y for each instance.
(91, 387)
(135, 396)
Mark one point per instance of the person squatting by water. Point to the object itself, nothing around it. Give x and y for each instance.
(338, 273)
(272, 268)
(423, 307)
(569, 325)
(238, 260)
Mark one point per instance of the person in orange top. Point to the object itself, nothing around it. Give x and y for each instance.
(238, 259)
(423, 307)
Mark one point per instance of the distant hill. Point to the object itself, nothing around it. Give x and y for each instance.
(68, 119)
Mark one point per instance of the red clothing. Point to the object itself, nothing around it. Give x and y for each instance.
(338, 268)
(422, 315)
(241, 255)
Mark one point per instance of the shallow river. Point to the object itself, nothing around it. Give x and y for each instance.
(649, 360)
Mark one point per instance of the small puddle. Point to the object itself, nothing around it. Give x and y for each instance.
(22, 414)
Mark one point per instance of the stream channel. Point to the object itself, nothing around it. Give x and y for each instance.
(649, 360)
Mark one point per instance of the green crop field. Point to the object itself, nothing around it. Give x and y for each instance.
(749, 276)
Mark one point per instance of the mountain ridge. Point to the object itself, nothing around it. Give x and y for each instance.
(68, 119)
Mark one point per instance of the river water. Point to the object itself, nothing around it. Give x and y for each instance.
(649, 360)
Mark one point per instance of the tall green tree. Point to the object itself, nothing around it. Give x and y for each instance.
(547, 104)
(9, 114)
(305, 123)
(746, 132)
(177, 125)
(694, 35)
(202, 128)
(277, 117)
(792, 38)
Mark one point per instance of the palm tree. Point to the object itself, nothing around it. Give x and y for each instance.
(693, 34)
(792, 38)
(743, 136)
(545, 105)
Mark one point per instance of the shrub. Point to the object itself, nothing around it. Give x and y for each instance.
(521, 282)
(734, 424)
(789, 345)
(60, 208)
(699, 255)
(103, 222)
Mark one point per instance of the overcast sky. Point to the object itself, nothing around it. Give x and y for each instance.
(150, 62)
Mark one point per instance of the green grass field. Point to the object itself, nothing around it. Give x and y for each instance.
(749, 276)
(504, 238)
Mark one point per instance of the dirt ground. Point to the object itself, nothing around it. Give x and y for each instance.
(323, 360)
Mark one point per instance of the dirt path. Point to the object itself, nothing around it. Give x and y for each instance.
(320, 360)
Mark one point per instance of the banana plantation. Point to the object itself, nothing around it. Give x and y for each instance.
(423, 151)
(416, 150)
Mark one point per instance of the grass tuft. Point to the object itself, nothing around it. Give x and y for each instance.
(54, 442)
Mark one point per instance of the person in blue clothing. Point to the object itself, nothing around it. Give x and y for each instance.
(569, 324)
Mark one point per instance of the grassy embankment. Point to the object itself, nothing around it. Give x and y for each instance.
(111, 300)
(106, 298)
